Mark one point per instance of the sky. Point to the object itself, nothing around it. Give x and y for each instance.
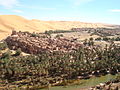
(96, 11)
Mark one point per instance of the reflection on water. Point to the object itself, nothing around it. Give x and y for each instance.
(85, 83)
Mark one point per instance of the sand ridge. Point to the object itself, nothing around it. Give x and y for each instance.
(18, 23)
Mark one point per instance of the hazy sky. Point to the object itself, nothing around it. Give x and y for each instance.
(101, 11)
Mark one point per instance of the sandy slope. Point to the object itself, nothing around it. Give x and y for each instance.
(10, 22)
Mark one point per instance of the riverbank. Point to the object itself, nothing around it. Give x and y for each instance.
(110, 85)
(85, 84)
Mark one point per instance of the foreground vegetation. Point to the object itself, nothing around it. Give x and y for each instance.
(58, 68)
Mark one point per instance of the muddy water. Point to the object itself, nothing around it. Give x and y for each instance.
(85, 83)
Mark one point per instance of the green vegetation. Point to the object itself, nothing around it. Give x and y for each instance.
(6, 55)
(108, 39)
(3, 45)
(49, 68)
(34, 35)
(58, 31)
(89, 42)
(117, 39)
(18, 52)
(98, 39)
(59, 35)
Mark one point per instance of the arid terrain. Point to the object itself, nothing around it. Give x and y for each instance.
(18, 23)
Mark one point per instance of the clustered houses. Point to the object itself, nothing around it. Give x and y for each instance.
(36, 45)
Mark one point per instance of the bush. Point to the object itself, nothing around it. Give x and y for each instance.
(98, 39)
(106, 39)
(49, 32)
(112, 39)
(117, 39)
(18, 52)
(6, 55)
(59, 35)
(3, 46)
(85, 42)
(90, 43)
(35, 35)
(91, 39)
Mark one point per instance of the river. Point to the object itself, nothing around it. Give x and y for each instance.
(85, 83)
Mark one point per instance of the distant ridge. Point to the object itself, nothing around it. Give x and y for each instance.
(18, 23)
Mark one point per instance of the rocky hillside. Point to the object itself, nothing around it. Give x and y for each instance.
(10, 22)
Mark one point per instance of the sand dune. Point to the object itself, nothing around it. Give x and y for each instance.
(13, 22)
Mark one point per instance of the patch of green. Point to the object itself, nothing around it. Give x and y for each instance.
(85, 83)
(3, 45)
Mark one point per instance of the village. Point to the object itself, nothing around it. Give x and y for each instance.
(35, 45)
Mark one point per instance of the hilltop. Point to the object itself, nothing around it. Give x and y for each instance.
(18, 23)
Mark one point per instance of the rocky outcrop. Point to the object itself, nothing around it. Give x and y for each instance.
(36, 43)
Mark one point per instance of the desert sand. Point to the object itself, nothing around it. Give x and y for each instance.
(18, 23)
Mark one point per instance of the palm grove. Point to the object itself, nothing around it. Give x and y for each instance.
(47, 68)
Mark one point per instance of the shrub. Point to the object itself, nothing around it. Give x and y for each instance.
(49, 32)
(59, 35)
(90, 43)
(117, 39)
(91, 39)
(85, 42)
(35, 35)
(98, 39)
(3, 46)
(112, 39)
(105, 39)
(18, 52)
(6, 55)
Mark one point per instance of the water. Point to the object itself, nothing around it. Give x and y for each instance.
(85, 83)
